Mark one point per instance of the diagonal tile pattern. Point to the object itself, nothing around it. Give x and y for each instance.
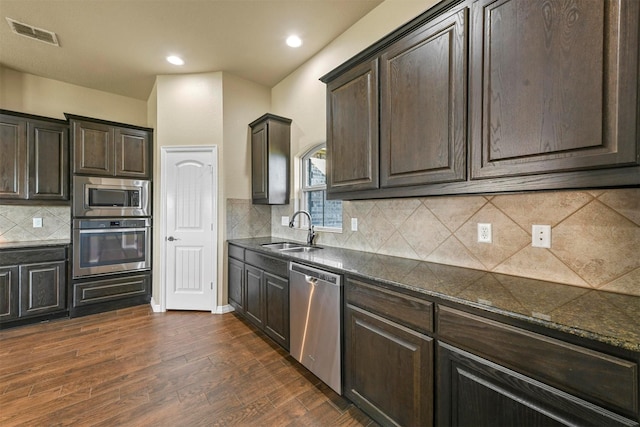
(16, 223)
(595, 234)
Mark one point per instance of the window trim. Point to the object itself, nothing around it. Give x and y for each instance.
(304, 189)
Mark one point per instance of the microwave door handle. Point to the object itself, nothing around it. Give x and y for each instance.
(109, 230)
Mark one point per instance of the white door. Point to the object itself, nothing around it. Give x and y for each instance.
(189, 203)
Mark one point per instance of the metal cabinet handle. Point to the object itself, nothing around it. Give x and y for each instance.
(171, 238)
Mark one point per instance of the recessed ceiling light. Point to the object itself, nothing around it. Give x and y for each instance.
(294, 41)
(175, 60)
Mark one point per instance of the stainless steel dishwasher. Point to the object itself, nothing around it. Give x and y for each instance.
(315, 300)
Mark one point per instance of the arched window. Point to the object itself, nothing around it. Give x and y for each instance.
(325, 213)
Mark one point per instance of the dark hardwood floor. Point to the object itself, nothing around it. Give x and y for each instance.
(133, 367)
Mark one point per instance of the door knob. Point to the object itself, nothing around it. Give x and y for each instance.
(171, 238)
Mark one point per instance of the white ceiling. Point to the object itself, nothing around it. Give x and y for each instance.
(119, 46)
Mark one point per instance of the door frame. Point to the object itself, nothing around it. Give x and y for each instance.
(213, 149)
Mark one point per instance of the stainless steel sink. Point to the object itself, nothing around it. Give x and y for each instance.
(282, 245)
(301, 249)
(290, 247)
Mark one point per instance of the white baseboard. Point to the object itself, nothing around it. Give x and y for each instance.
(155, 307)
(221, 309)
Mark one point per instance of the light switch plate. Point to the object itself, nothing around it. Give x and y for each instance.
(354, 224)
(37, 222)
(284, 221)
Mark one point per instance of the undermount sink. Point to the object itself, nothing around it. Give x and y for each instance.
(282, 245)
(290, 247)
(301, 249)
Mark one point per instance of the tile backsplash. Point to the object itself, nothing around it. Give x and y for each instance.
(595, 239)
(16, 223)
(246, 220)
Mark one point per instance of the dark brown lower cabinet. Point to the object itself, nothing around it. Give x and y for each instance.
(94, 295)
(473, 391)
(388, 369)
(254, 305)
(276, 308)
(33, 284)
(259, 291)
(9, 292)
(42, 288)
(236, 284)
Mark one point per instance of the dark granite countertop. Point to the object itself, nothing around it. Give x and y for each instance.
(33, 244)
(602, 316)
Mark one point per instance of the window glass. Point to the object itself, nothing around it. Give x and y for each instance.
(324, 213)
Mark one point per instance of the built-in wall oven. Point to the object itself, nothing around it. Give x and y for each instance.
(110, 197)
(111, 245)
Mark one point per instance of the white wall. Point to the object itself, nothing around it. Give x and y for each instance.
(31, 94)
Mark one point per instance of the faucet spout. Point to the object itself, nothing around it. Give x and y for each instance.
(311, 235)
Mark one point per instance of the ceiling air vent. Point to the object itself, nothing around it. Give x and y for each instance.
(33, 32)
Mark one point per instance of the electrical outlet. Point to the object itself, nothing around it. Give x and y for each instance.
(37, 222)
(284, 221)
(484, 233)
(541, 236)
(354, 224)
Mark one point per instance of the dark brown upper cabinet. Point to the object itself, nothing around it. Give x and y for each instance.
(554, 86)
(352, 130)
(110, 149)
(34, 164)
(486, 96)
(399, 118)
(13, 162)
(48, 150)
(270, 148)
(423, 98)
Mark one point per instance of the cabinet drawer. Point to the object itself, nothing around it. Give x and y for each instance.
(570, 367)
(409, 311)
(267, 263)
(32, 256)
(98, 291)
(236, 252)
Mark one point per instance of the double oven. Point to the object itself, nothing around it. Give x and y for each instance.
(111, 226)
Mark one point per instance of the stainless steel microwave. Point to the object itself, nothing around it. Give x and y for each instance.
(110, 197)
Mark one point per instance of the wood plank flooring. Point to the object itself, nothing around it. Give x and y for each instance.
(133, 367)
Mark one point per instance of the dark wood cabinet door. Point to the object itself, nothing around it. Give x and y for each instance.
(42, 288)
(13, 157)
(132, 148)
(93, 148)
(276, 312)
(48, 147)
(8, 293)
(352, 130)
(235, 276)
(270, 152)
(423, 101)
(254, 295)
(476, 392)
(388, 369)
(259, 163)
(554, 86)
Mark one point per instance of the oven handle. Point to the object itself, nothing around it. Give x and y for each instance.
(110, 230)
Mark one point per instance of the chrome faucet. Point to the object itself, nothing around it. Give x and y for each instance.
(311, 235)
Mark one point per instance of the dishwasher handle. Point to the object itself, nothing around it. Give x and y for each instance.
(314, 274)
(311, 280)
